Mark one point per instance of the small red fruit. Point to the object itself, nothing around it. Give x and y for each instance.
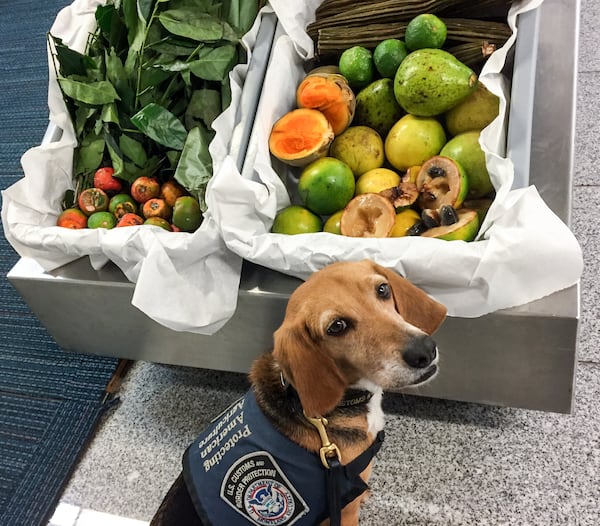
(72, 218)
(145, 188)
(93, 200)
(157, 208)
(130, 220)
(105, 180)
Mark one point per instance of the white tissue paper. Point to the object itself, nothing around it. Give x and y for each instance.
(506, 266)
(186, 282)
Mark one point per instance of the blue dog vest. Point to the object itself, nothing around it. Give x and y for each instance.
(242, 471)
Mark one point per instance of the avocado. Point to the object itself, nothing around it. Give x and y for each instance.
(431, 81)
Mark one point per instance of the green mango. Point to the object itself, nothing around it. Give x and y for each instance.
(431, 81)
(376, 106)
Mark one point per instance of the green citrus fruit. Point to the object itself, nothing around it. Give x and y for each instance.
(101, 220)
(187, 215)
(356, 64)
(388, 55)
(413, 140)
(404, 221)
(425, 31)
(332, 225)
(376, 180)
(465, 229)
(296, 219)
(326, 185)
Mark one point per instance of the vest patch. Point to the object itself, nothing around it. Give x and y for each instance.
(256, 487)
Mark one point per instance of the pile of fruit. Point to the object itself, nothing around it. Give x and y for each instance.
(142, 98)
(107, 204)
(388, 142)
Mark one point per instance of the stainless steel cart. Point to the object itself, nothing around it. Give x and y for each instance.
(522, 357)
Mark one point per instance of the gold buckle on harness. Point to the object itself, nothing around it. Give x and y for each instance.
(328, 449)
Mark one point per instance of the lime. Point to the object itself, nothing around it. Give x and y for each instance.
(425, 31)
(356, 64)
(326, 185)
(404, 221)
(101, 220)
(388, 55)
(332, 224)
(187, 214)
(413, 140)
(376, 180)
(296, 219)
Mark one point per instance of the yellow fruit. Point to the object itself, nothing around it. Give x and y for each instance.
(404, 220)
(413, 140)
(360, 147)
(376, 180)
(332, 225)
(296, 219)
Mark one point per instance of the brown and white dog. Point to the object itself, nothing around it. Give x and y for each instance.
(350, 331)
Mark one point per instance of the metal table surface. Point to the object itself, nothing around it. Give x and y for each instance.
(521, 357)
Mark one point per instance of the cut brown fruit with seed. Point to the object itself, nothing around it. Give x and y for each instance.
(401, 196)
(441, 181)
(368, 215)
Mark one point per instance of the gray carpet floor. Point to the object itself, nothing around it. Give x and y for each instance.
(443, 463)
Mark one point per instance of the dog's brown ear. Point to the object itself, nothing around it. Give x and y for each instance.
(414, 305)
(313, 373)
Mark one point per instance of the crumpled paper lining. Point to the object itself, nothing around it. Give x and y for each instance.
(186, 282)
(523, 252)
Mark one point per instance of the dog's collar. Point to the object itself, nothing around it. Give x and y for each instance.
(352, 397)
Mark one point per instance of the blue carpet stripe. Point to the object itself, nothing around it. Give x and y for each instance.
(49, 398)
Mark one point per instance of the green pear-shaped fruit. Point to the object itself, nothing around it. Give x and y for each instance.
(431, 81)
(465, 150)
(474, 113)
(376, 106)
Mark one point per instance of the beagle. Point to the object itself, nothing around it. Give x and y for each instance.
(297, 448)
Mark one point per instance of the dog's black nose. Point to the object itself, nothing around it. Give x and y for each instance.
(420, 352)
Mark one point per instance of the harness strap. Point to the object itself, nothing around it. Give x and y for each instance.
(351, 471)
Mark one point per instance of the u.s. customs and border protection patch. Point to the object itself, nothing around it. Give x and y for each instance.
(256, 487)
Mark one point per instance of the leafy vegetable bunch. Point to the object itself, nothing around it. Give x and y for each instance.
(153, 77)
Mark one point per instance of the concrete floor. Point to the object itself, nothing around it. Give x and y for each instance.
(443, 463)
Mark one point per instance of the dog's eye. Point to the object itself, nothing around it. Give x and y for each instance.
(337, 327)
(384, 291)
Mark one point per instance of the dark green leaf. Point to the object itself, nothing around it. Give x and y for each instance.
(115, 73)
(240, 13)
(145, 9)
(70, 62)
(89, 154)
(194, 169)
(82, 115)
(189, 23)
(215, 63)
(111, 27)
(174, 46)
(68, 200)
(116, 156)
(225, 94)
(161, 126)
(110, 113)
(98, 93)
(133, 150)
(205, 106)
